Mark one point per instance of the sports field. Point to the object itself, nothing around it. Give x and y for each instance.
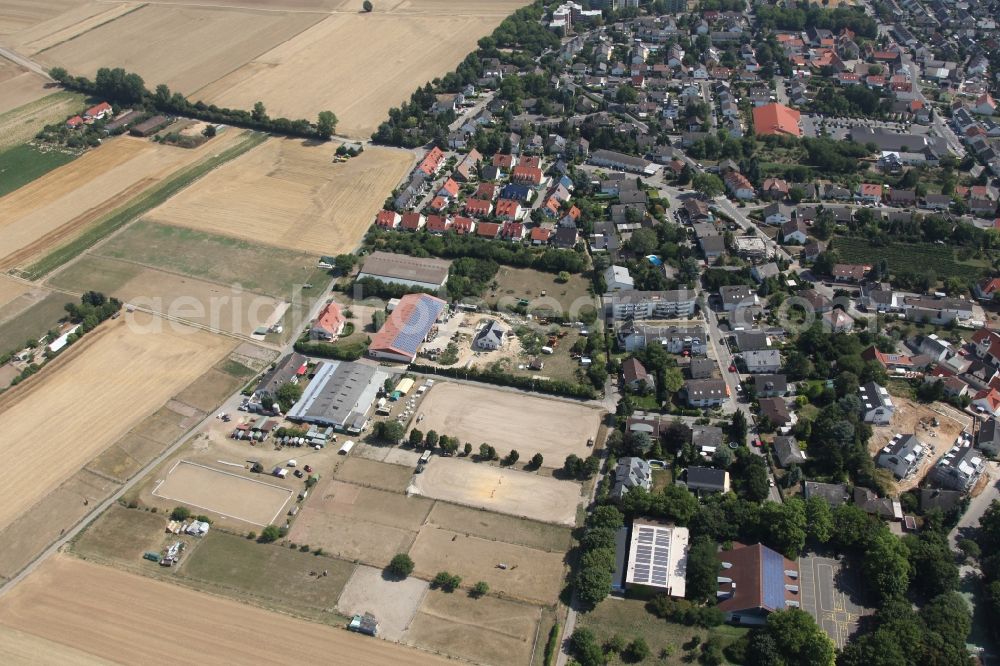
(88, 398)
(62, 204)
(289, 193)
(126, 618)
(227, 494)
(183, 47)
(401, 46)
(554, 428)
(500, 489)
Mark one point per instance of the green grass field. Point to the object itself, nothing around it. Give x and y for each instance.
(269, 575)
(908, 257)
(258, 268)
(34, 322)
(629, 618)
(139, 206)
(22, 164)
(527, 283)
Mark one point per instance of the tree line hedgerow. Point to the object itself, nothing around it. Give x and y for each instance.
(128, 89)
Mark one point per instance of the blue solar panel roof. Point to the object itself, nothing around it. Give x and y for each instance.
(421, 319)
(772, 579)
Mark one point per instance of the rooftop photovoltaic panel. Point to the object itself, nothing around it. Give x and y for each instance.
(658, 557)
(773, 579)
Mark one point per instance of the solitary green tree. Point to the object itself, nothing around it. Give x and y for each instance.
(479, 589)
(326, 123)
(367, 5)
(400, 566)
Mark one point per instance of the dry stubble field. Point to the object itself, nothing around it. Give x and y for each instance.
(127, 618)
(61, 204)
(20, 124)
(290, 194)
(183, 47)
(401, 47)
(18, 86)
(554, 428)
(87, 399)
(80, 18)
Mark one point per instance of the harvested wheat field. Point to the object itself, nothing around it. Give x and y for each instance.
(60, 205)
(66, 25)
(132, 619)
(183, 47)
(18, 15)
(11, 289)
(401, 48)
(100, 388)
(554, 428)
(21, 649)
(18, 86)
(290, 194)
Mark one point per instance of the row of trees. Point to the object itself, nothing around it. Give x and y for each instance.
(128, 89)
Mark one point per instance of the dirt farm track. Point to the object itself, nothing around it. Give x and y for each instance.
(71, 411)
(121, 617)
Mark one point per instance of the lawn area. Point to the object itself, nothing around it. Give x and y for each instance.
(629, 618)
(267, 574)
(22, 164)
(259, 268)
(121, 534)
(529, 284)
(34, 322)
(909, 256)
(661, 479)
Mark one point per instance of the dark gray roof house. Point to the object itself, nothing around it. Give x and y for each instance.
(708, 479)
(835, 494)
(787, 451)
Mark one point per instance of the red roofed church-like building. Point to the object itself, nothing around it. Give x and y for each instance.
(778, 119)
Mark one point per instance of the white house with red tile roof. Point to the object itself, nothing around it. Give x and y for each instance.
(478, 207)
(74, 122)
(513, 231)
(504, 162)
(329, 324)
(987, 343)
(487, 229)
(463, 225)
(449, 189)
(413, 221)
(988, 401)
(987, 288)
(486, 191)
(438, 203)
(540, 235)
(509, 209)
(97, 112)
(432, 162)
(437, 224)
(869, 192)
(388, 219)
(526, 175)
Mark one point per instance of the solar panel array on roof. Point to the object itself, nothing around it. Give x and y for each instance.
(411, 334)
(772, 579)
(653, 561)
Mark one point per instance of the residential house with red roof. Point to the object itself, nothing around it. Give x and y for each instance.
(987, 343)
(478, 207)
(869, 193)
(512, 231)
(985, 105)
(509, 209)
(329, 324)
(540, 235)
(775, 188)
(987, 288)
(487, 229)
(413, 221)
(526, 175)
(437, 224)
(987, 401)
(850, 272)
(449, 190)
(504, 162)
(487, 191)
(97, 112)
(462, 225)
(74, 122)
(432, 162)
(387, 219)
(407, 327)
(465, 170)
(438, 203)
(533, 161)
(738, 185)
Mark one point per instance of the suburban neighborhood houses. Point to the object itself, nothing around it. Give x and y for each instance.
(653, 332)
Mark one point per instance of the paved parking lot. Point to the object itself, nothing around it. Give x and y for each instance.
(831, 595)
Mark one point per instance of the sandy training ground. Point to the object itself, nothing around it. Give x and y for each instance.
(401, 47)
(60, 205)
(393, 602)
(554, 428)
(290, 194)
(914, 418)
(126, 618)
(225, 493)
(90, 397)
(183, 47)
(499, 489)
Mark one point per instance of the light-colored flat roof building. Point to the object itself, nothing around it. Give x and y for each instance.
(424, 272)
(657, 557)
